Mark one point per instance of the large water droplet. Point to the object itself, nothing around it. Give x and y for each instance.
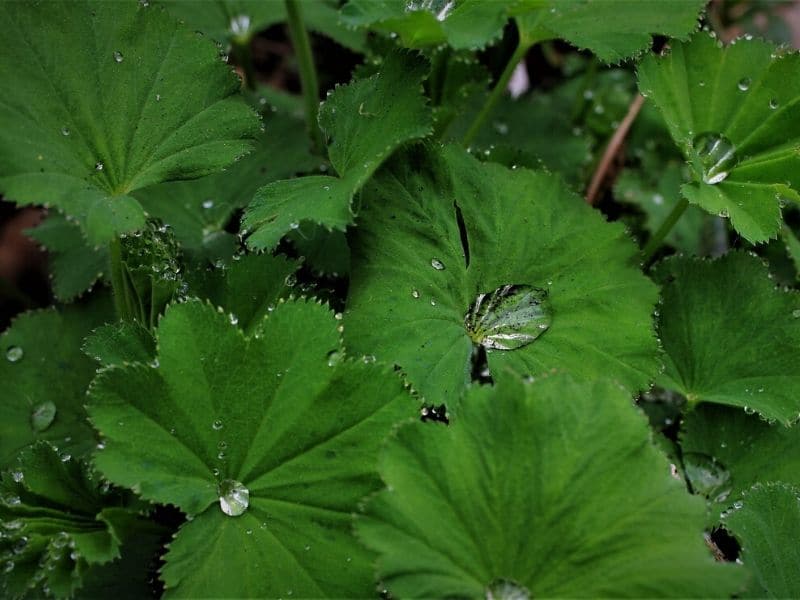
(706, 475)
(42, 416)
(502, 589)
(715, 156)
(234, 498)
(510, 317)
(14, 353)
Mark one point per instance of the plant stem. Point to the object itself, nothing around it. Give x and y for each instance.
(244, 58)
(308, 74)
(497, 92)
(655, 240)
(119, 284)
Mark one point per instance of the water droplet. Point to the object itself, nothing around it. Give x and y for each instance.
(118, 56)
(744, 84)
(14, 354)
(334, 358)
(294, 225)
(415, 293)
(715, 156)
(9, 566)
(208, 204)
(233, 319)
(99, 166)
(221, 455)
(65, 131)
(222, 444)
(437, 264)
(501, 127)
(773, 104)
(658, 199)
(510, 317)
(216, 425)
(65, 457)
(240, 25)
(18, 476)
(158, 97)
(796, 313)
(42, 416)
(234, 498)
(706, 474)
(502, 589)
(368, 359)
(291, 280)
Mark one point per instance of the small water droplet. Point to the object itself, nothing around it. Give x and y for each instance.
(118, 56)
(415, 293)
(42, 416)
(18, 476)
(796, 313)
(208, 204)
(216, 425)
(773, 104)
(233, 319)
(368, 359)
(715, 156)
(744, 84)
(501, 127)
(14, 354)
(99, 166)
(9, 566)
(437, 264)
(240, 25)
(510, 317)
(294, 225)
(234, 498)
(65, 457)
(65, 131)
(291, 280)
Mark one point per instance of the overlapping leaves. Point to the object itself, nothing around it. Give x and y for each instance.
(735, 115)
(105, 98)
(364, 122)
(520, 494)
(441, 232)
(730, 336)
(218, 410)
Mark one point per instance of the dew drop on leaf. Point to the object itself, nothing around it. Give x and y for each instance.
(503, 589)
(234, 498)
(42, 416)
(715, 155)
(773, 104)
(415, 293)
(98, 166)
(208, 204)
(240, 25)
(14, 354)
(508, 318)
(796, 313)
(118, 56)
(18, 476)
(216, 425)
(706, 475)
(744, 84)
(65, 131)
(437, 264)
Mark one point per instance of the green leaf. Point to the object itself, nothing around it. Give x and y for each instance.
(240, 20)
(730, 336)
(734, 113)
(521, 489)
(45, 377)
(221, 412)
(247, 290)
(473, 24)
(74, 265)
(51, 512)
(199, 211)
(85, 124)
(727, 451)
(768, 526)
(792, 246)
(364, 122)
(121, 342)
(413, 284)
(598, 26)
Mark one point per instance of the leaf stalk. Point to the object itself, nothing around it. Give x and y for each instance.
(658, 237)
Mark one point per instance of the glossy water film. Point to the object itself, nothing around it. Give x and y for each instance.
(510, 317)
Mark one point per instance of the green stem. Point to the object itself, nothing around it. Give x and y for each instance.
(244, 58)
(658, 237)
(308, 74)
(497, 92)
(118, 283)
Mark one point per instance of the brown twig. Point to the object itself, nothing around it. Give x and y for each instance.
(613, 149)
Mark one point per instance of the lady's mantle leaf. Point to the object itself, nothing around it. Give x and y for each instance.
(537, 270)
(104, 98)
(725, 451)
(730, 336)
(44, 378)
(521, 489)
(767, 524)
(364, 122)
(57, 519)
(476, 23)
(269, 446)
(735, 114)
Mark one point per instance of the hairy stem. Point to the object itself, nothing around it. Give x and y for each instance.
(497, 92)
(658, 237)
(308, 74)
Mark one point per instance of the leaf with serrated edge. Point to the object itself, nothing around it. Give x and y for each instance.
(520, 488)
(523, 228)
(730, 337)
(768, 526)
(104, 98)
(364, 122)
(118, 343)
(300, 435)
(735, 450)
(735, 114)
(49, 368)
